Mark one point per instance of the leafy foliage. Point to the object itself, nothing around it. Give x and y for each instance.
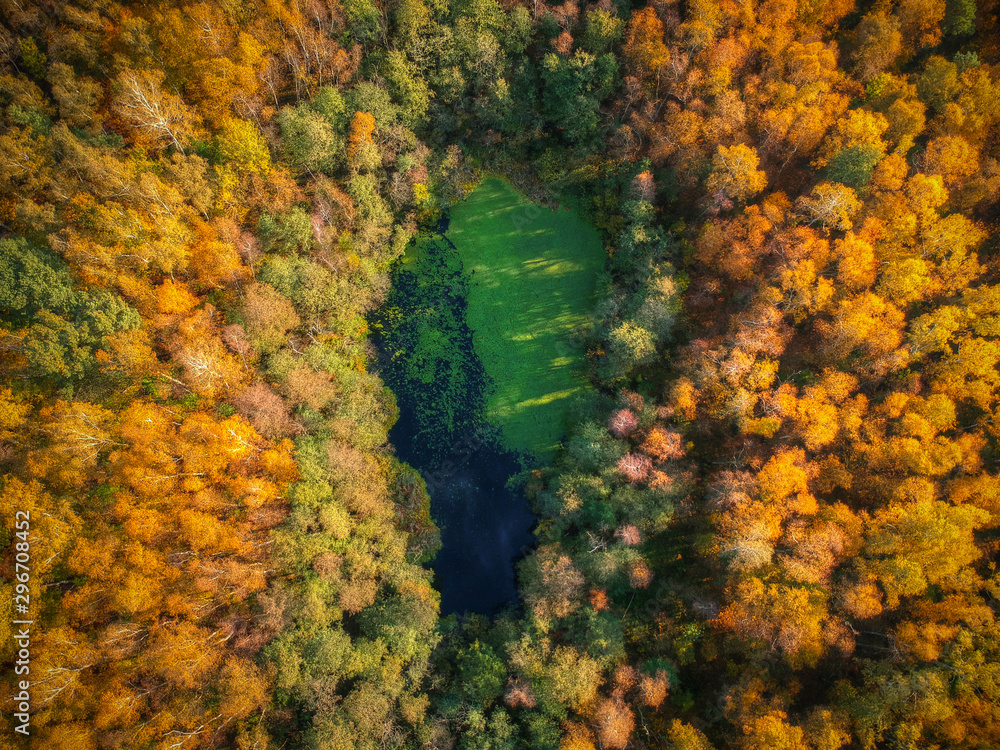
(773, 521)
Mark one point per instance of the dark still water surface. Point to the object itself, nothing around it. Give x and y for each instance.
(426, 356)
(485, 527)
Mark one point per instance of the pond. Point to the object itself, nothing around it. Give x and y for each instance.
(476, 339)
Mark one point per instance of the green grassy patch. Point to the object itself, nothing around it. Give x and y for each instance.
(531, 275)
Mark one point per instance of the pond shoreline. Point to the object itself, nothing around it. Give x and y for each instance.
(450, 428)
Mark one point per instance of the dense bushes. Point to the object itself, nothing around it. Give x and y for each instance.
(771, 526)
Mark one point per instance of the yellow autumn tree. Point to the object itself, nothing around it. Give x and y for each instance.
(735, 172)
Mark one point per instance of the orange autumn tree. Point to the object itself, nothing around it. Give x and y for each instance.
(361, 129)
(644, 48)
(174, 512)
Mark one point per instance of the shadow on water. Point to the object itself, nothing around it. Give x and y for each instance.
(426, 356)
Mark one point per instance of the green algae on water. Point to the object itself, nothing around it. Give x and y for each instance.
(532, 275)
(478, 331)
(428, 357)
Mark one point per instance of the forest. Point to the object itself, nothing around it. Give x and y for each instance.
(771, 519)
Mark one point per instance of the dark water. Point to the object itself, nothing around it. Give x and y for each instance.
(485, 527)
(427, 358)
